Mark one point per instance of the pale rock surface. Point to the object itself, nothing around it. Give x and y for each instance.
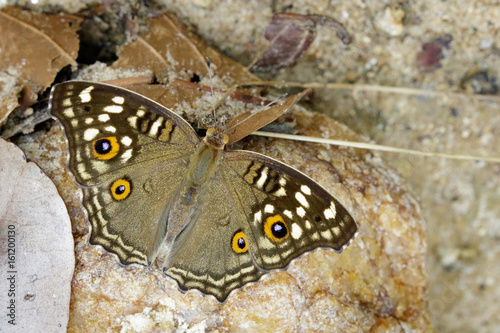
(377, 284)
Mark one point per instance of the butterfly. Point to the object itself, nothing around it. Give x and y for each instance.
(151, 185)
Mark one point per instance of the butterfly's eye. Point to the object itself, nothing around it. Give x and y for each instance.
(275, 228)
(121, 188)
(239, 242)
(105, 148)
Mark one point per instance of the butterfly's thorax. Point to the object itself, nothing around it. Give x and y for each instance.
(202, 166)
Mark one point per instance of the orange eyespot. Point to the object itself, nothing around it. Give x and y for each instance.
(239, 242)
(275, 228)
(121, 189)
(105, 148)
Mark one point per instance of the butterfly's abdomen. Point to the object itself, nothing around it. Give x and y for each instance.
(185, 209)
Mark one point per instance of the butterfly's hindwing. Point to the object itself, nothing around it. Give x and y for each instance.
(133, 226)
(288, 213)
(222, 263)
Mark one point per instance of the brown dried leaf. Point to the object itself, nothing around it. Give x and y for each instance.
(290, 36)
(170, 50)
(37, 258)
(34, 47)
(180, 92)
(247, 123)
(9, 90)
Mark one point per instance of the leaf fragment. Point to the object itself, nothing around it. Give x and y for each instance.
(47, 43)
(290, 35)
(172, 51)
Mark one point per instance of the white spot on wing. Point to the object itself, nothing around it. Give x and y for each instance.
(329, 215)
(302, 199)
(74, 122)
(126, 141)
(326, 234)
(118, 99)
(263, 177)
(89, 121)
(103, 118)
(280, 193)
(282, 181)
(288, 213)
(90, 134)
(85, 94)
(336, 231)
(69, 113)
(269, 209)
(296, 231)
(132, 121)
(82, 169)
(155, 126)
(301, 212)
(258, 217)
(333, 208)
(308, 224)
(113, 108)
(305, 189)
(127, 154)
(111, 129)
(66, 102)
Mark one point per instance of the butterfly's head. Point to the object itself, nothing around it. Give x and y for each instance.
(216, 138)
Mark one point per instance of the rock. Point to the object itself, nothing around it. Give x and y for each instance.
(377, 284)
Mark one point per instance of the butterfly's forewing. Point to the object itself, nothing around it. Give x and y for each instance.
(142, 128)
(129, 154)
(287, 212)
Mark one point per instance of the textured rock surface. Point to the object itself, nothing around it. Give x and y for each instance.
(378, 283)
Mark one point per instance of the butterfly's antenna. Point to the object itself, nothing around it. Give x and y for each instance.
(211, 86)
(226, 95)
(261, 109)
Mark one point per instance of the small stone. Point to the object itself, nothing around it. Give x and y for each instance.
(428, 60)
(482, 82)
(391, 21)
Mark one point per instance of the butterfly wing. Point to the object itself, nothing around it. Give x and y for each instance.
(207, 256)
(288, 213)
(257, 215)
(129, 154)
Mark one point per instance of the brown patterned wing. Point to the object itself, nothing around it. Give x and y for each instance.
(111, 129)
(288, 213)
(129, 154)
(257, 215)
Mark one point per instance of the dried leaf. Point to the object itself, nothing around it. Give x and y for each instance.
(290, 36)
(429, 58)
(180, 94)
(247, 123)
(34, 48)
(9, 90)
(37, 258)
(170, 50)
